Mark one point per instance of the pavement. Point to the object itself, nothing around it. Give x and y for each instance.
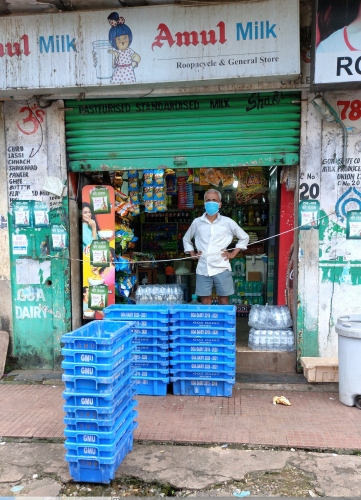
(304, 440)
(32, 407)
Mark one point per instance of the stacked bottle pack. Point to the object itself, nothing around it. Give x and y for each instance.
(271, 329)
(151, 340)
(99, 404)
(202, 349)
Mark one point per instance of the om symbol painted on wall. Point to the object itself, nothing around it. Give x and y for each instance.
(33, 119)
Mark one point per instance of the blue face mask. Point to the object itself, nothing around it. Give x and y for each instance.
(211, 207)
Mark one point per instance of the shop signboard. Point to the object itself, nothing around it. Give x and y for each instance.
(151, 46)
(336, 45)
(98, 234)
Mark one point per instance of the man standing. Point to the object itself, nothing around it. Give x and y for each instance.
(213, 233)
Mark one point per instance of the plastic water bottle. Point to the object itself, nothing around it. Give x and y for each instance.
(269, 340)
(263, 340)
(283, 340)
(276, 340)
(255, 340)
(250, 338)
(194, 299)
(290, 341)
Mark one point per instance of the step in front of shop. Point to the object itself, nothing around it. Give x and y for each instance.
(248, 361)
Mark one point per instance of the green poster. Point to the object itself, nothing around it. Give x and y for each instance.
(308, 214)
(353, 225)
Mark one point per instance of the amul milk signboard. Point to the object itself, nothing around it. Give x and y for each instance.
(337, 44)
(152, 45)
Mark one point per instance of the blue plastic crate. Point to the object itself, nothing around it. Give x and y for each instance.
(228, 366)
(203, 374)
(201, 322)
(89, 424)
(95, 413)
(159, 364)
(125, 312)
(151, 323)
(159, 348)
(196, 387)
(202, 349)
(95, 438)
(201, 340)
(100, 371)
(96, 385)
(198, 331)
(150, 331)
(151, 386)
(100, 470)
(140, 372)
(147, 355)
(83, 399)
(91, 450)
(97, 335)
(206, 312)
(85, 356)
(148, 341)
(201, 357)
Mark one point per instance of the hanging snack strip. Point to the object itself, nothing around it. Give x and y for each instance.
(185, 194)
(133, 191)
(154, 191)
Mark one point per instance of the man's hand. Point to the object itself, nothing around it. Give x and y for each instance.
(196, 255)
(230, 254)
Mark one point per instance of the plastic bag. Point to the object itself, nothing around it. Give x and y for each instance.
(270, 317)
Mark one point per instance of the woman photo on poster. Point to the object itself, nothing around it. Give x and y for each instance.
(107, 273)
(90, 225)
(338, 26)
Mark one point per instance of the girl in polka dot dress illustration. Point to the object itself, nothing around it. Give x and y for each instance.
(124, 58)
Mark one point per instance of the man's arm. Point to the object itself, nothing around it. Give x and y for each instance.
(242, 243)
(187, 241)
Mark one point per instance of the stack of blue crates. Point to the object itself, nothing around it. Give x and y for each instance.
(151, 337)
(99, 404)
(202, 349)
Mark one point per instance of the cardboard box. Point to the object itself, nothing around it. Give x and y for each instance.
(320, 369)
(254, 276)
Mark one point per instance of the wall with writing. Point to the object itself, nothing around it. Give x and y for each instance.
(329, 259)
(38, 231)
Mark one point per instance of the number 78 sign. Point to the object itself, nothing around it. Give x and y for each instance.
(349, 110)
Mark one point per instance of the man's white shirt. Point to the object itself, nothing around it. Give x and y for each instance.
(211, 239)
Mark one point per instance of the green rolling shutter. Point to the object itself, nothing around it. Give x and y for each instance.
(259, 129)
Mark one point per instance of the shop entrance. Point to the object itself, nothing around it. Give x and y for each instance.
(157, 158)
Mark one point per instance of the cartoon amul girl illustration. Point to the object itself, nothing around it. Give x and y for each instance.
(124, 58)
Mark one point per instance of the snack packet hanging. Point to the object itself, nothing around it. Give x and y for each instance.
(148, 192)
(132, 179)
(148, 205)
(158, 192)
(148, 178)
(158, 177)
